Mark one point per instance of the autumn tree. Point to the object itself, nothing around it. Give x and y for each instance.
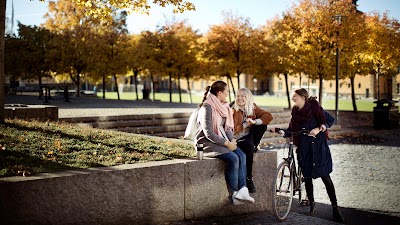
(136, 59)
(277, 54)
(230, 44)
(383, 46)
(103, 9)
(33, 54)
(71, 46)
(350, 40)
(187, 52)
(111, 46)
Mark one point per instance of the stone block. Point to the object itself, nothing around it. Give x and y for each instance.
(137, 194)
(206, 192)
(39, 112)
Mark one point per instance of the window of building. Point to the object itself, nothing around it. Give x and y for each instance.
(359, 85)
(348, 85)
(291, 85)
(280, 86)
(305, 84)
(314, 81)
(340, 85)
(330, 84)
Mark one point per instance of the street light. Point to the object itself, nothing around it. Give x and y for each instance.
(338, 19)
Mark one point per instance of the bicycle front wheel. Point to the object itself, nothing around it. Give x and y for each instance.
(282, 191)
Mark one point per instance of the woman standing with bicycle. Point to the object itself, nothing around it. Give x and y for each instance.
(313, 153)
(215, 132)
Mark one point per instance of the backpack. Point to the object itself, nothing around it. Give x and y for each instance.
(191, 128)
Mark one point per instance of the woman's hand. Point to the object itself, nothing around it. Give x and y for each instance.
(314, 132)
(230, 145)
(250, 121)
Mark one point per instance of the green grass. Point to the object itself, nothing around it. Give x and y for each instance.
(328, 104)
(37, 147)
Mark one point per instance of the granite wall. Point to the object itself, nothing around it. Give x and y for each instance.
(145, 193)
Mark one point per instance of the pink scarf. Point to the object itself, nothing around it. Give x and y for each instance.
(219, 110)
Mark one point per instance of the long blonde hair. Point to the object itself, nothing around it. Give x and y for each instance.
(249, 104)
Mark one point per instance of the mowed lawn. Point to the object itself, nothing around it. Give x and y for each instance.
(366, 105)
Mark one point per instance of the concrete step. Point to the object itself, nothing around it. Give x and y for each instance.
(137, 123)
(125, 117)
(174, 134)
(152, 129)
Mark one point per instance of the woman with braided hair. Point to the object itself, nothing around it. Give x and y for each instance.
(215, 132)
(313, 153)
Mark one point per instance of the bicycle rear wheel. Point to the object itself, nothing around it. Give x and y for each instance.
(282, 191)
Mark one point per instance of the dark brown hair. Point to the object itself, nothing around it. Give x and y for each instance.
(303, 93)
(215, 87)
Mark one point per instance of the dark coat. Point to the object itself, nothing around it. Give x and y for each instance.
(314, 156)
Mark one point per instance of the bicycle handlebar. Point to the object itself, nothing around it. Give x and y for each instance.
(292, 133)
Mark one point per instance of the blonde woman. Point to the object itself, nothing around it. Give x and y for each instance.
(250, 125)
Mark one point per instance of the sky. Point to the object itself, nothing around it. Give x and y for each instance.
(208, 12)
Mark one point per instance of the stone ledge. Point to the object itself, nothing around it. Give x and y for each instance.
(144, 193)
(39, 112)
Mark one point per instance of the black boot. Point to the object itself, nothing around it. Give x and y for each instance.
(337, 216)
(312, 208)
(250, 185)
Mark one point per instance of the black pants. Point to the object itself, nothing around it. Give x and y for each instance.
(329, 188)
(247, 144)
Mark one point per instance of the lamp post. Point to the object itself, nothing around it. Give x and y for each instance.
(338, 19)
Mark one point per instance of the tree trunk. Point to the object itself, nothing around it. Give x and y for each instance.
(2, 75)
(104, 86)
(238, 78)
(135, 74)
(229, 90)
(154, 92)
(233, 88)
(189, 90)
(40, 85)
(287, 90)
(321, 77)
(78, 85)
(116, 85)
(179, 88)
(170, 86)
(353, 95)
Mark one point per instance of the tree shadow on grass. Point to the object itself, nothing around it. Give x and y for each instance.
(14, 163)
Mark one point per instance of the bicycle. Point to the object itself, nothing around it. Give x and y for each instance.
(288, 181)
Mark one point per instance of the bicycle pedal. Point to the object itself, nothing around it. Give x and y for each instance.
(305, 202)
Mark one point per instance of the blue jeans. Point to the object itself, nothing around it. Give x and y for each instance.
(235, 172)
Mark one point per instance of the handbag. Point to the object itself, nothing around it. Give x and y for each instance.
(191, 128)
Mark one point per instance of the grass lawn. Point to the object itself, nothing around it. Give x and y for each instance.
(28, 147)
(365, 105)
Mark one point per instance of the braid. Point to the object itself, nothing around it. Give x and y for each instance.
(205, 95)
(312, 98)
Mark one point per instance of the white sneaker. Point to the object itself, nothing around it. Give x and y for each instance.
(243, 195)
(235, 201)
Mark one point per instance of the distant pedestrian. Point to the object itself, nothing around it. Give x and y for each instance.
(313, 152)
(250, 125)
(215, 132)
